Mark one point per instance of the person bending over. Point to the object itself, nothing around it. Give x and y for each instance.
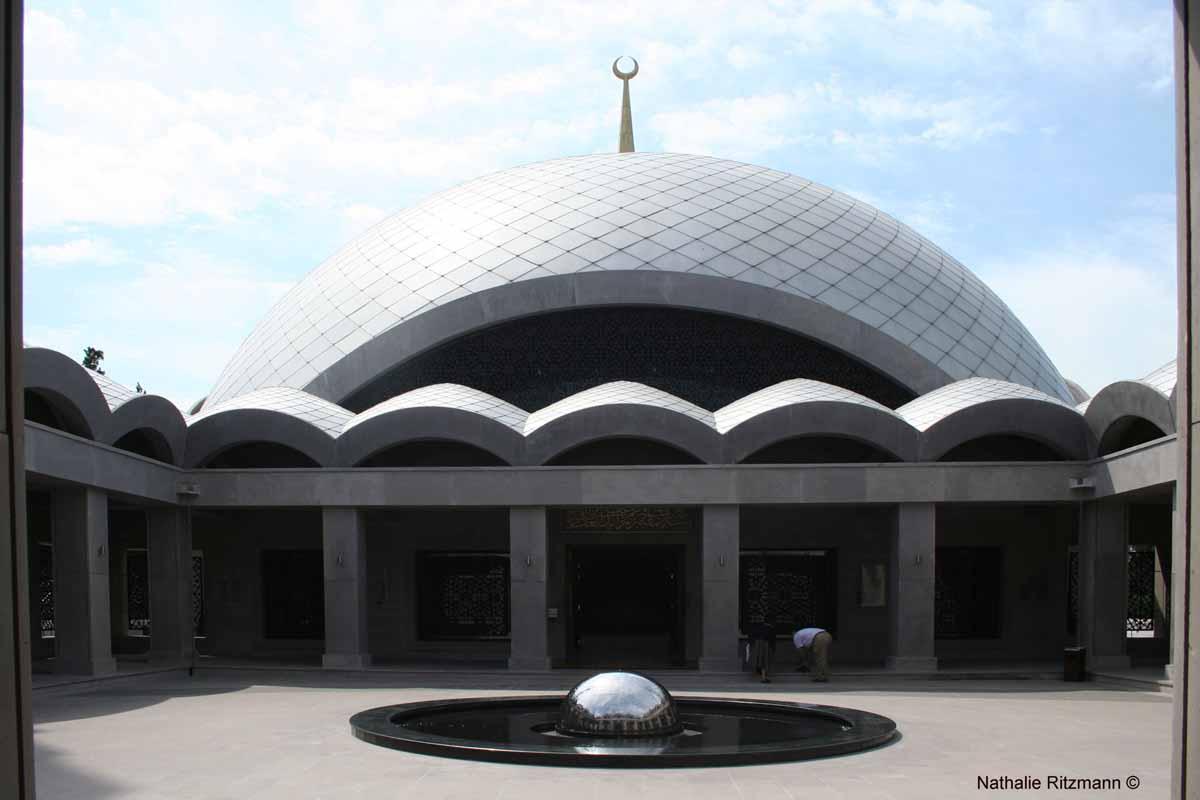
(813, 645)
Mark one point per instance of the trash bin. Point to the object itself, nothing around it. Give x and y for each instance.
(1075, 664)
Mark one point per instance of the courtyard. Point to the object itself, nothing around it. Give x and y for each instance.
(283, 733)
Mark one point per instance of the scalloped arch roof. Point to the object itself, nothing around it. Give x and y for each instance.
(786, 393)
(921, 414)
(448, 395)
(929, 409)
(617, 393)
(642, 211)
(1163, 379)
(322, 414)
(115, 394)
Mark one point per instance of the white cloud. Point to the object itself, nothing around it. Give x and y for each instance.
(359, 217)
(66, 339)
(173, 324)
(868, 147)
(1096, 37)
(1100, 316)
(49, 41)
(137, 124)
(76, 251)
(742, 57)
(125, 152)
(871, 128)
(953, 15)
(741, 127)
(931, 215)
(944, 122)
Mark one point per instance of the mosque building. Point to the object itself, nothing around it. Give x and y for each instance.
(610, 410)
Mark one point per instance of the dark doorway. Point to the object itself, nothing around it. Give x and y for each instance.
(968, 592)
(626, 605)
(293, 594)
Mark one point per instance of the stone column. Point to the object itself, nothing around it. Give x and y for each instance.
(16, 726)
(1178, 534)
(345, 544)
(720, 544)
(1103, 584)
(1185, 737)
(169, 542)
(527, 551)
(911, 587)
(82, 621)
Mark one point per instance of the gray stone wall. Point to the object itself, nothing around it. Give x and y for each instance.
(856, 535)
(126, 531)
(232, 543)
(1034, 611)
(394, 538)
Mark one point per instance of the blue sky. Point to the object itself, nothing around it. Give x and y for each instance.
(186, 163)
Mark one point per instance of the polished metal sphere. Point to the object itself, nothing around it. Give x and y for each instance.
(619, 704)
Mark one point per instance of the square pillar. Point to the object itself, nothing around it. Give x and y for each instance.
(169, 541)
(82, 616)
(344, 541)
(1103, 584)
(720, 544)
(911, 589)
(1174, 585)
(527, 551)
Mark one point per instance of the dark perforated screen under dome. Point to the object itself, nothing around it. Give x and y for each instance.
(708, 359)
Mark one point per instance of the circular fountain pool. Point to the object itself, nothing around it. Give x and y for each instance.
(622, 719)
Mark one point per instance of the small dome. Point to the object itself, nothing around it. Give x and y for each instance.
(1078, 393)
(619, 704)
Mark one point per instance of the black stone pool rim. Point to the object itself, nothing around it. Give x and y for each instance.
(862, 730)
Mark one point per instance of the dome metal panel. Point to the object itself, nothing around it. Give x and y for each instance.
(639, 211)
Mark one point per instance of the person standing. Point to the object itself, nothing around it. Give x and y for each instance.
(814, 645)
(762, 647)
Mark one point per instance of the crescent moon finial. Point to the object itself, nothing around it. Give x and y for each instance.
(625, 76)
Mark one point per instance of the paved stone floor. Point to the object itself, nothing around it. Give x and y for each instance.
(284, 734)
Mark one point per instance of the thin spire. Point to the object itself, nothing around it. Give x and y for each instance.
(625, 145)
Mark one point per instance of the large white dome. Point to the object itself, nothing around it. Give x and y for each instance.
(642, 211)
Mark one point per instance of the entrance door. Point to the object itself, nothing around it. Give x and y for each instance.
(626, 605)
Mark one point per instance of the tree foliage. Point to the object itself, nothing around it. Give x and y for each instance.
(92, 358)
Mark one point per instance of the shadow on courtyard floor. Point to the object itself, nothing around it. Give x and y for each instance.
(117, 696)
(58, 775)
